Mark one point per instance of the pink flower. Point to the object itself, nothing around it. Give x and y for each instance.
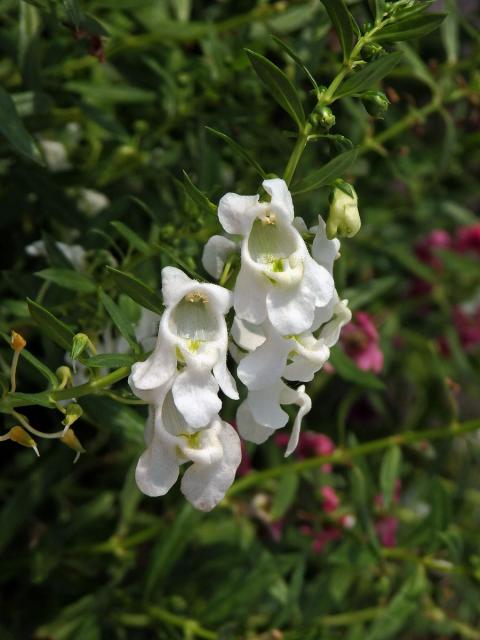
(331, 501)
(324, 537)
(467, 239)
(360, 340)
(468, 327)
(386, 529)
(396, 495)
(276, 530)
(425, 248)
(310, 444)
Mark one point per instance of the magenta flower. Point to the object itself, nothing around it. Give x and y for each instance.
(331, 501)
(386, 529)
(310, 444)
(360, 341)
(426, 248)
(467, 239)
(468, 327)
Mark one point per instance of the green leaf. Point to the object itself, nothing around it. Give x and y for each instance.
(120, 320)
(342, 22)
(279, 86)
(348, 370)
(410, 27)
(55, 256)
(131, 237)
(298, 60)
(389, 472)
(68, 279)
(139, 292)
(334, 169)
(73, 12)
(284, 495)
(378, 9)
(14, 131)
(239, 150)
(450, 31)
(109, 360)
(50, 325)
(197, 196)
(369, 75)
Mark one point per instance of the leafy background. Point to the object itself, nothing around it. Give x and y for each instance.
(84, 555)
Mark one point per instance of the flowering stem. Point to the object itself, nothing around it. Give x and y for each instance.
(345, 456)
(296, 154)
(13, 371)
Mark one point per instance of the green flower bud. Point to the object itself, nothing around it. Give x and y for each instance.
(79, 343)
(372, 51)
(376, 103)
(323, 117)
(343, 216)
(73, 412)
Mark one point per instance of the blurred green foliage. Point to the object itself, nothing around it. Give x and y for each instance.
(131, 89)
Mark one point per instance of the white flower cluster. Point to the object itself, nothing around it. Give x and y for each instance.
(287, 317)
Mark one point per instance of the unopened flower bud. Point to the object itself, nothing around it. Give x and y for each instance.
(20, 436)
(18, 342)
(372, 50)
(71, 440)
(73, 412)
(343, 216)
(80, 342)
(323, 117)
(64, 376)
(376, 103)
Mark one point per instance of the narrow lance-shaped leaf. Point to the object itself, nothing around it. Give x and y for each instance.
(369, 75)
(410, 27)
(279, 86)
(139, 292)
(133, 239)
(328, 173)
(342, 22)
(50, 325)
(197, 196)
(68, 279)
(239, 150)
(119, 319)
(389, 472)
(14, 131)
(298, 60)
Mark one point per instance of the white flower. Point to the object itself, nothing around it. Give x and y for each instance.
(260, 415)
(55, 154)
(215, 254)
(214, 451)
(75, 253)
(191, 349)
(278, 278)
(343, 215)
(91, 201)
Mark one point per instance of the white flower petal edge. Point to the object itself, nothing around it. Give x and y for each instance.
(260, 415)
(192, 338)
(278, 278)
(216, 253)
(214, 452)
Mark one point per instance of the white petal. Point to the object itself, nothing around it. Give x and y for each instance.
(249, 296)
(195, 396)
(219, 298)
(237, 213)
(324, 314)
(225, 378)
(248, 336)
(342, 315)
(291, 309)
(205, 485)
(324, 250)
(264, 365)
(157, 470)
(301, 369)
(300, 226)
(281, 199)
(215, 254)
(175, 284)
(156, 370)
(147, 328)
(318, 280)
(265, 406)
(248, 428)
(295, 396)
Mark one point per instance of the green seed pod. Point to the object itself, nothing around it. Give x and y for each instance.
(376, 103)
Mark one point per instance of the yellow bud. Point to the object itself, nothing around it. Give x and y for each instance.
(20, 436)
(73, 412)
(71, 440)
(18, 342)
(64, 376)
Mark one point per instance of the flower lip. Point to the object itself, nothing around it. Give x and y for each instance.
(193, 318)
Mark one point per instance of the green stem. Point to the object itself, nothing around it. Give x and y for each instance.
(189, 626)
(345, 456)
(296, 154)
